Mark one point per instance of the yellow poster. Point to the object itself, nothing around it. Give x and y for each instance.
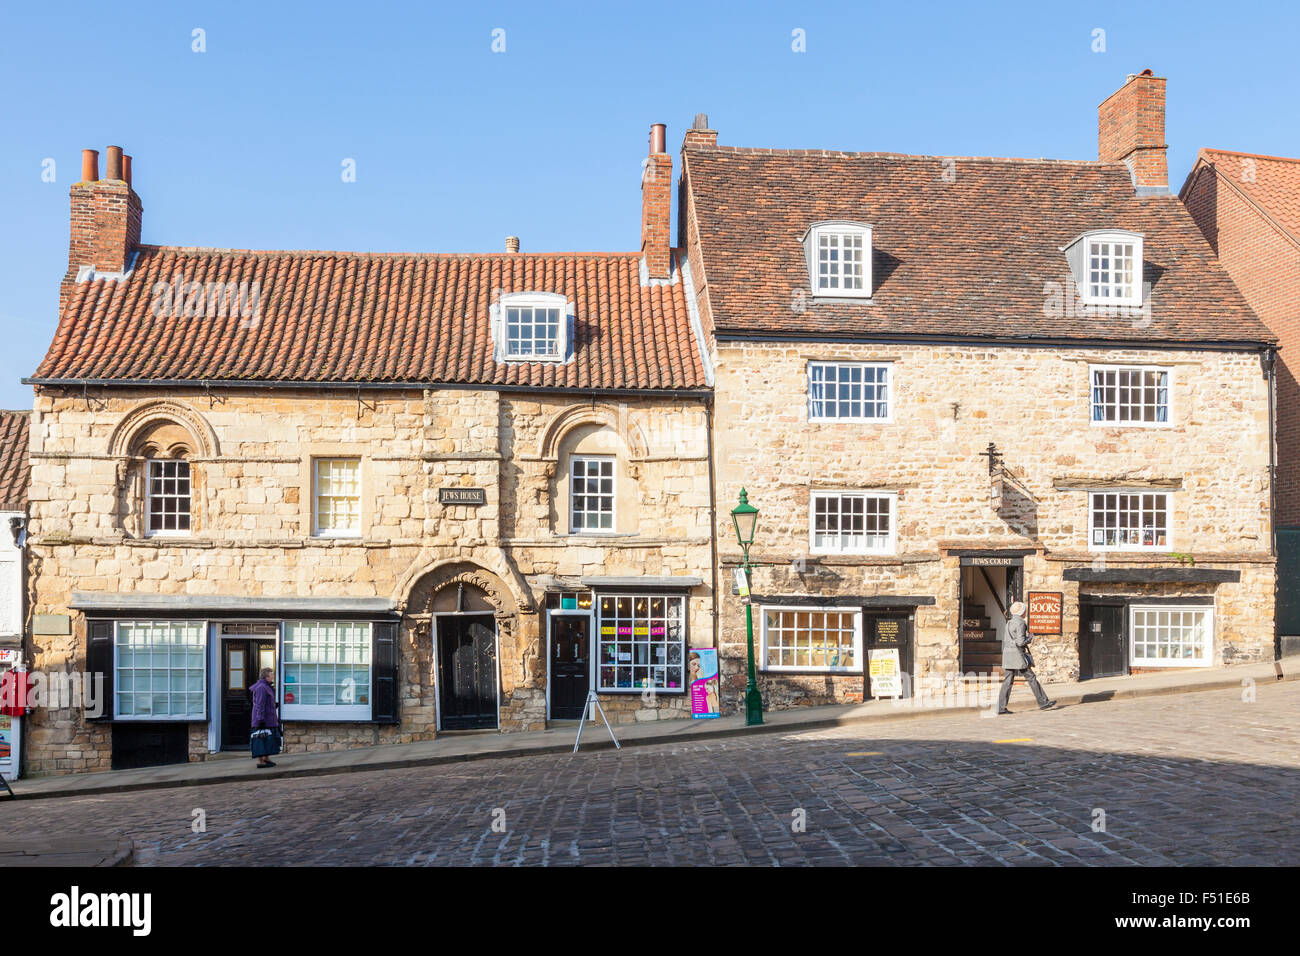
(884, 671)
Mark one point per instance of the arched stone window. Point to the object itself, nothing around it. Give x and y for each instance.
(158, 487)
(593, 456)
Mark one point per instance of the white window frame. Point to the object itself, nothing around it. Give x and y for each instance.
(1169, 519)
(347, 713)
(811, 669)
(191, 717)
(891, 544)
(317, 530)
(149, 499)
(887, 367)
(613, 494)
(531, 300)
(1206, 655)
(1093, 371)
(812, 252)
(1078, 253)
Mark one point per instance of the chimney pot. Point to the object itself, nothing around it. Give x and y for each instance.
(89, 165)
(126, 168)
(512, 243)
(658, 138)
(701, 121)
(114, 165)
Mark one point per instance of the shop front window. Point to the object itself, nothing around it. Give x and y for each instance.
(811, 639)
(326, 670)
(159, 670)
(1173, 636)
(642, 642)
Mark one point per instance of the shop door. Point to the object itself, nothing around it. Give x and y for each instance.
(570, 668)
(888, 641)
(1103, 644)
(467, 671)
(242, 661)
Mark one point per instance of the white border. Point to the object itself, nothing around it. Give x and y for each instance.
(148, 500)
(1207, 652)
(1095, 367)
(315, 497)
(889, 387)
(840, 227)
(346, 713)
(613, 514)
(526, 300)
(1169, 520)
(800, 669)
(892, 496)
(165, 718)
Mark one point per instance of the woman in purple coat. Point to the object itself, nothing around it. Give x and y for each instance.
(265, 717)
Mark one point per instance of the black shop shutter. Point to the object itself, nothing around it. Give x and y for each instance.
(99, 660)
(383, 657)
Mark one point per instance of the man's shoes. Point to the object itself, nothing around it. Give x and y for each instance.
(1001, 712)
(269, 763)
(1047, 706)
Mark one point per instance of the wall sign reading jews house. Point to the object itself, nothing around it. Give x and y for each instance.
(1045, 610)
(462, 496)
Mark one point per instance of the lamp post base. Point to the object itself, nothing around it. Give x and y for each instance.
(753, 707)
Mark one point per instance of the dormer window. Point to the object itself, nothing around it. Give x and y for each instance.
(531, 327)
(1107, 267)
(839, 259)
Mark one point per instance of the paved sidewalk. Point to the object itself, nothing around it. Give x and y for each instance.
(451, 748)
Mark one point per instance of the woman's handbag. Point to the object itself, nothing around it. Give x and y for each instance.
(265, 742)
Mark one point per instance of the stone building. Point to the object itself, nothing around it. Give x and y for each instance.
(949, 383)
(433, 492)
(1248, 207)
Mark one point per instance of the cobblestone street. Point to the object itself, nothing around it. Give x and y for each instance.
(1183, 779)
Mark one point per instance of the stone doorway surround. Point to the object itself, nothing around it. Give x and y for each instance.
(468, 586)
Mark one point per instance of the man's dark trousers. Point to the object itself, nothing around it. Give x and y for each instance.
(1028, 674)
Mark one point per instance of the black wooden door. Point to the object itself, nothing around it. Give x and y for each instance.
(1103, 647)
(467, 671)
(884, 633)
(570, 666)
(241, 663)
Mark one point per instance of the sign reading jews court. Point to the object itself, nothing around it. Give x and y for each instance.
(462, 496)
(1045, 610)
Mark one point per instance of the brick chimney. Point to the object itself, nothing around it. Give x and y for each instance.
(1131, 128)
(699, 134)
(106, 215)
(656, 205)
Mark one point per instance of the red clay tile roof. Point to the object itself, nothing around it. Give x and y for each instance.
(376, 318)
(15, 467)
(965, 258)
(1272, 183)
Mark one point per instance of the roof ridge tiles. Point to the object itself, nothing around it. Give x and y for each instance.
(873, 154)
(344, 254)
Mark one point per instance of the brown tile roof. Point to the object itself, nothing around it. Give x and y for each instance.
(376, 318)
(1272, 183)
(15, 467)
(963, 258)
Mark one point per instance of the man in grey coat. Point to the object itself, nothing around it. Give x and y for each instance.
(1016, 660)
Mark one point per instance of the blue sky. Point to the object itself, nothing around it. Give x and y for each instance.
(457, 146)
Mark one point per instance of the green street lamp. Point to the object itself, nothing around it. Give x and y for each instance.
(745, 517)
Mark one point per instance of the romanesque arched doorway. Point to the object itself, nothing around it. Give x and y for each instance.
(462, 616)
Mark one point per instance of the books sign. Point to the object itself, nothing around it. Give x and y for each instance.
(1045, 612)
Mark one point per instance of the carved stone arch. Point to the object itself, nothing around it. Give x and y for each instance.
(563, 422)
(434, 576)
(160, 412)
